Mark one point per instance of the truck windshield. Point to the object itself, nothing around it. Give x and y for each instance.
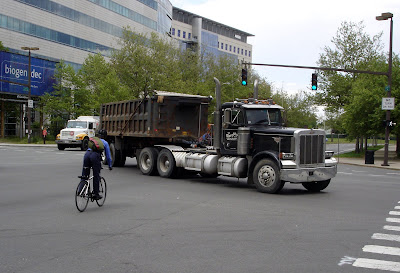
(263, 116)
(77, 124)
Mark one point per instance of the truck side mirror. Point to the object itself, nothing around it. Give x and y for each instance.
(227, 119)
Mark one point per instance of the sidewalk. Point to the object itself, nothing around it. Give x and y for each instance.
(394, 164)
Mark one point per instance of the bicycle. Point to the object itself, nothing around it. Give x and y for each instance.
(84, 193)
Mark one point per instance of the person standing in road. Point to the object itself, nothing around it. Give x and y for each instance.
(92, 159)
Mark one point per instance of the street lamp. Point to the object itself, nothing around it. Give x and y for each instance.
(382, 17)
(29, 89)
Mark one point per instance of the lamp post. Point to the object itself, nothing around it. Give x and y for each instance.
(29, 89)
(382, 17)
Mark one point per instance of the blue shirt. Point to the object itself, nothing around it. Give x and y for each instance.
(107, 152)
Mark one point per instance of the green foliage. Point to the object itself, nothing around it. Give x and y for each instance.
(353, 49)
(300, 109)
(2, 47)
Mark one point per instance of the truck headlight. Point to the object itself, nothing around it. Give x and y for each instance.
(80, 136)
(286, 156)
(58, 137)
(329, 154)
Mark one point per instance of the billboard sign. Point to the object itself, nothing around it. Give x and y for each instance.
(14, 69)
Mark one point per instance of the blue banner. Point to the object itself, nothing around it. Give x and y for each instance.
(15, 69)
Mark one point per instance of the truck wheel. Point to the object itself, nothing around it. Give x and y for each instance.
(115, 155)
(166, 165)
(266, 176)
(147, 161)
(61, 147)
(316, 186)
(85, 144)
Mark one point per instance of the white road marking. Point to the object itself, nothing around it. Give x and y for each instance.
(388, 237)
(394, 228)
(345, 173)
(393, 220)
(382, 250)
(394, 212)
(377, 175)
(377, 264)
(397, 207)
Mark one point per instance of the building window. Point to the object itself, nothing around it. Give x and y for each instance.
(234, 49)
(173, 31)
(242, 48)
(245, 52)
(222, 45)
(179, 33)
(230, 48)
(189, 35)
(249, 53)
(226, 46)
(238, 50)
(184, 34)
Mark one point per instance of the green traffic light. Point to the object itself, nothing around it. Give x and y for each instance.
(314, 87)
(244, 83)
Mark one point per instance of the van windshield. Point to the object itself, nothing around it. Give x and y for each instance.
(77, 124)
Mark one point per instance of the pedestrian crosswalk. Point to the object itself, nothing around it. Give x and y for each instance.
(387, 257)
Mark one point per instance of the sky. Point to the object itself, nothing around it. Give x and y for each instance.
(293, 32)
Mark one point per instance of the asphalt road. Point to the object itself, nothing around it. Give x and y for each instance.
(191, 224)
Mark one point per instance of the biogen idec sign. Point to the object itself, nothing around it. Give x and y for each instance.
(14, 68)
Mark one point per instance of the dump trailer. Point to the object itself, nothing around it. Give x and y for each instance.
(249, 140)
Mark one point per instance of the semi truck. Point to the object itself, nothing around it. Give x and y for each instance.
(249, 140)
(77, 132)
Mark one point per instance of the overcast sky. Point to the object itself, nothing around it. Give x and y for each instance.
(294, 32)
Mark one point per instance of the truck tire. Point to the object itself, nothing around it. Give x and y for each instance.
(147, 161)
(166, 165)
(266, 177)
(61, 147)
(316, 186)
(85, 144)
(115, 156)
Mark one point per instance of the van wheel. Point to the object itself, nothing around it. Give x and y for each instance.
(166, 165)
(266, 177)
(147, 161)
(316, 186)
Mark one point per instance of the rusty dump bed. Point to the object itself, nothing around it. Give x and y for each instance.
(161, 115)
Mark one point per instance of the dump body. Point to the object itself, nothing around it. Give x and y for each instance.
(164, 117)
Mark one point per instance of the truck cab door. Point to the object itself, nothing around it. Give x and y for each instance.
(233, 119)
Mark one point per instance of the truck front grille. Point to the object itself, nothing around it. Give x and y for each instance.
(312, 149)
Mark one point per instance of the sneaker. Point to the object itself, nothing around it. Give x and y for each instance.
(97, 196)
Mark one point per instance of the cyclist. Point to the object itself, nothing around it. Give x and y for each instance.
(93, 159)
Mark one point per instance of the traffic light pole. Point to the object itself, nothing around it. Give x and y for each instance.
(322, 68)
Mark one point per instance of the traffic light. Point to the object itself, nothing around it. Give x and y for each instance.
(314, 81)
(244, 76)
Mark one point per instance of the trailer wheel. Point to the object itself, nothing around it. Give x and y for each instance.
(166, 165)
(266, 176)
(316, 186)
(148, 161)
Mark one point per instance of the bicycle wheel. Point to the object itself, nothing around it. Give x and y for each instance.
(81, 195)
(102, 191)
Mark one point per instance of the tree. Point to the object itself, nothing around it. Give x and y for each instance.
(300, 109)
(353, 49)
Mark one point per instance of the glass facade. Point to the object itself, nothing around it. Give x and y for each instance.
(123, 11)
(27, 28)
(75, 16)
(164, 17)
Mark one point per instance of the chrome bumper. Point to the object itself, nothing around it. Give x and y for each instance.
(308, 174)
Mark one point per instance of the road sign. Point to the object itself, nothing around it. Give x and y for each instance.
(30, 103)
(387, 103)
